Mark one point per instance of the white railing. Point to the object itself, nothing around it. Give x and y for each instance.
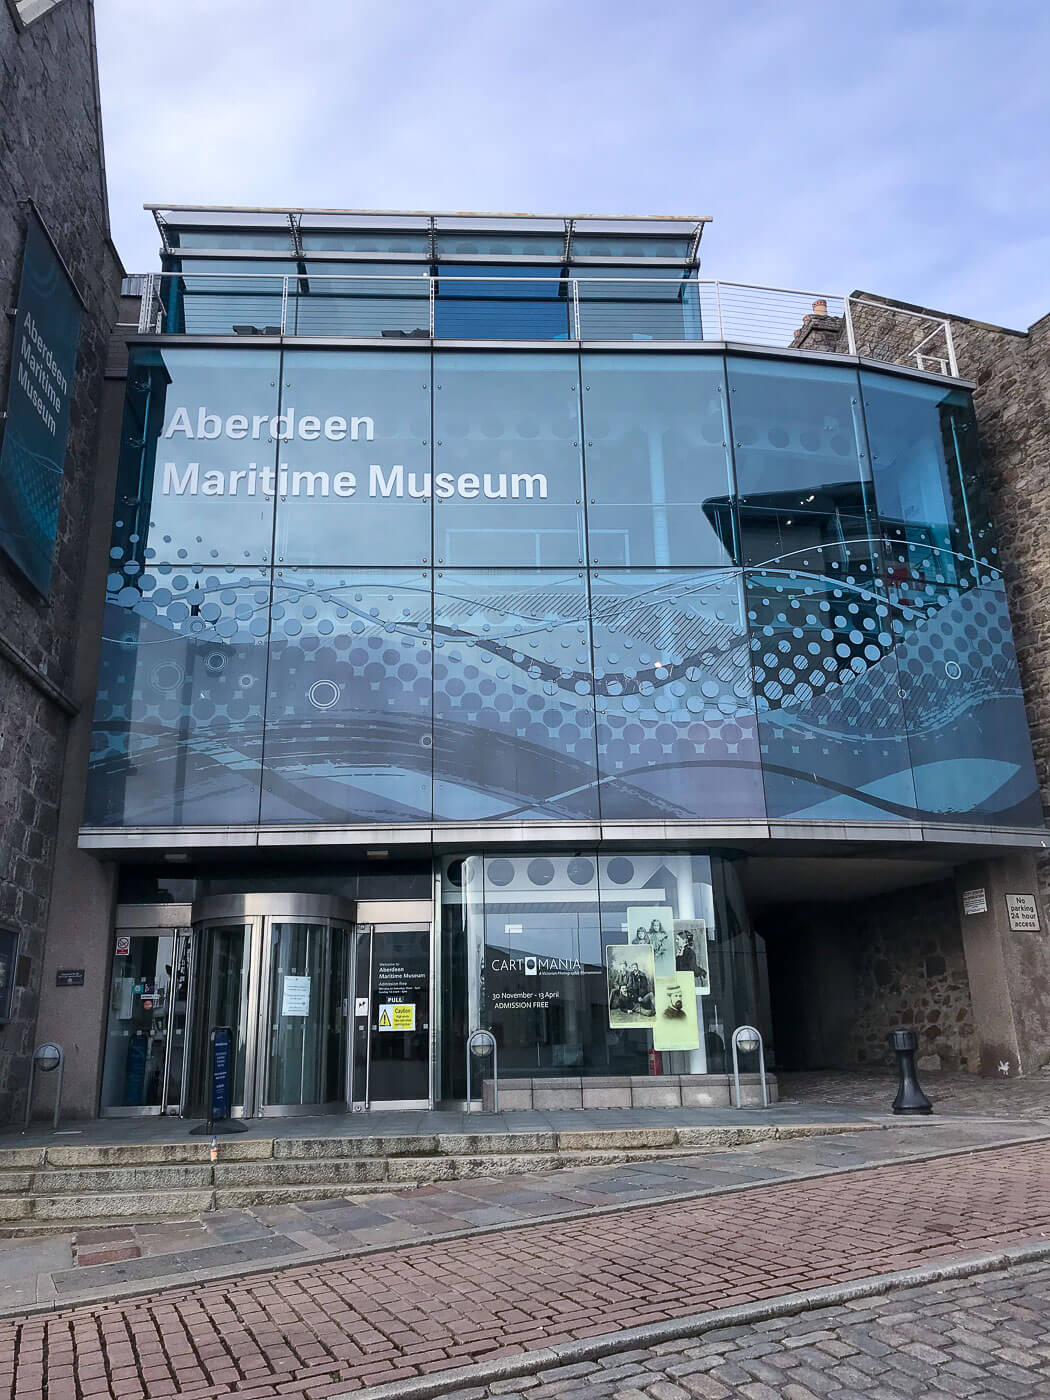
(582, 309)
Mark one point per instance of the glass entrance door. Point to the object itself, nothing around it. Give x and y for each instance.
(145, 1032)
(306, 1016)
(391, 1043)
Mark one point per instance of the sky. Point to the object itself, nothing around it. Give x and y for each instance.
(899, 148)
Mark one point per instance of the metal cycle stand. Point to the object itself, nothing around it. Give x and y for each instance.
(748, 1039)
(483, 1043)
(46, 1057)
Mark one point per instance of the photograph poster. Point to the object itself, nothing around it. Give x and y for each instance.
(632, 997)
(690, 944)
(676, 1026)
(651, 927)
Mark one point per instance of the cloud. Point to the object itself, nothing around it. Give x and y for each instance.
(896, 145)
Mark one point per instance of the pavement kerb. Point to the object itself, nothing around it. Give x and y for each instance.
(695, 1325)
(167, 1283)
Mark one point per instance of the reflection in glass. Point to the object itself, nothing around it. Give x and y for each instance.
(348, 719)
(658, 475)
(137, 1030)
(513, 710)
(931, 498)
(802, 469)
(195, 482)
(179, 711)
(297, 1014)
(507, 431)
(967, 731)
(357, 484)
(511, 302)
(641, 304)
(833, 737)
(676, 721)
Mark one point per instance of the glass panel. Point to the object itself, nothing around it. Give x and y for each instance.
(355, 444)
(677, 734)
(224, 296)
(179, 714)
(658, 474)
(664, 901)
(507, 460)
(455, 1020)
(802, 469)
(137, 1031)
(298, 1023)
(544, 984)
(592, 245)
(931, 499)
(400, 1003)
(262, 239)
(506, 245)
(513, 712)
(833, 737)
(180, 985)
(338, 1039)
(348, 721)
(502, 303)
(196, 475)
(360, 299)
(220, 998)
(362, 964)
(648, 308)
(370, 241)
(967, 730)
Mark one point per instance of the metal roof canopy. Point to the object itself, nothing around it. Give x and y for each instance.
(292, 220)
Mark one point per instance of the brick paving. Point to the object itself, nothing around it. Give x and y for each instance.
(982, 1338)
(328, 1328)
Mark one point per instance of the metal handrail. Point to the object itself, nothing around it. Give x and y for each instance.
(736, 312)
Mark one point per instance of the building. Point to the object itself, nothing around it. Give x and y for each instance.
(59, 276)
(506, 627)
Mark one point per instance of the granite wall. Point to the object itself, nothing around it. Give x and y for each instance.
(50, 153)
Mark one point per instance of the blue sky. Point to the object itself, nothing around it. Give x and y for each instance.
(898, 148)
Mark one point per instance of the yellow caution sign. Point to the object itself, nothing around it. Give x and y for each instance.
(394, 1016)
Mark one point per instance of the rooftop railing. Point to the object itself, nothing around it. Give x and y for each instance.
(577, 309)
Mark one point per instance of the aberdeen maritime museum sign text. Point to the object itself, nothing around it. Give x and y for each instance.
(195, 479)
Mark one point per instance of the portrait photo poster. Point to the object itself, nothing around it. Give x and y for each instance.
(632, 997)
(690, 942)
(652, 926)
(676, 1026)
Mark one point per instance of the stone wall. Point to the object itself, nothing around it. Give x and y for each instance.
(51, 153)
(843, 976)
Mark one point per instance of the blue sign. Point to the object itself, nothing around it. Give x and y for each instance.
(43, 369)
(221, 1042)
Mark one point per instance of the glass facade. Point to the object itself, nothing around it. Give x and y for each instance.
(538, 939)
(405, 585)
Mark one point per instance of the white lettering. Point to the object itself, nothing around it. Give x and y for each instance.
(344, 483)
(180, 423)
(355, 426)
(209, 425)
(258, 420)
(420, 492)
(235, 480)
(393, 485)
(312, 479)
(309, 428)
(213, 484)
(236, 426)
(519, 480)
(501, 490)
(184, 486)
(444, 486)
(468, 485)
(335, 428)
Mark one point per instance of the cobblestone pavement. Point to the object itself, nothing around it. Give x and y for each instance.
(90, 1262)
(325, 1329)
(952, 1091)
(980, 1338)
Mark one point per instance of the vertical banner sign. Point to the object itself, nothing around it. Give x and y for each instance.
(221, 1040)
(43, 368)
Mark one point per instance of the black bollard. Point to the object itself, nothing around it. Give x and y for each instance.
(910, 1098)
